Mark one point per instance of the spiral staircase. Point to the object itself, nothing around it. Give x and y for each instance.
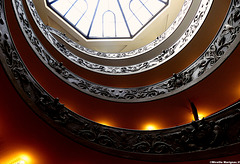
(65, 99)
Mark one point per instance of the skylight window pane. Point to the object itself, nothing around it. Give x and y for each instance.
(122, 30)
(96, 29)
(134, 25)
(121, 25)
(109, 24)
(154, 6)
(143, 15)
(132, 22)
(62, 6)
(114, 25)
(84, 25)
(108, 18)
(77, 11)
(73, 16)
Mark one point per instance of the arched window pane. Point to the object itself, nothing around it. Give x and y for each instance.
(109, 24)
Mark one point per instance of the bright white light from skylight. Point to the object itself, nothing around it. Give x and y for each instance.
(108, 18)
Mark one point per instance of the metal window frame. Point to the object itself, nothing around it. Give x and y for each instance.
(49, 4)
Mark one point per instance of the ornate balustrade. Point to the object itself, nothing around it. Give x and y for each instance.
(211, 137)
(220, 48)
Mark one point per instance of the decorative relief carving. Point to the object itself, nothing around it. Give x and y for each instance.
(131, 69)
(188, 77)
(222, 129)
(197, 136)
(136, 52)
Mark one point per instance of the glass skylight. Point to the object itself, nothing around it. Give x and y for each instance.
(99, 19)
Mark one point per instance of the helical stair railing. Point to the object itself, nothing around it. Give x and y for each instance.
(217, 52)
(215, 136)
(163, 56)
(160, 39)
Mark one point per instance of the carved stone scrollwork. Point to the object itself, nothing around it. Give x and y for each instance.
(174, 144)
(163, 56)
(216, 53)
(160, 39)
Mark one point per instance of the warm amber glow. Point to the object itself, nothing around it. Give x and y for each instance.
(200, 116)
(16, 158)
(22, 159)
(105, 122)
(150, 127)
(19, 162)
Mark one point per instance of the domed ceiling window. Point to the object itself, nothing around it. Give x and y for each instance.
(105, 19)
